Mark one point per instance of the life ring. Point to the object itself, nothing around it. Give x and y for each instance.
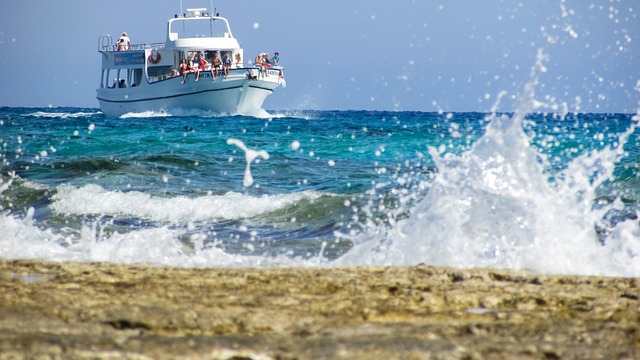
(156, 59)
(238, 57)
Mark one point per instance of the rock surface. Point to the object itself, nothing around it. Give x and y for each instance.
(106, 311)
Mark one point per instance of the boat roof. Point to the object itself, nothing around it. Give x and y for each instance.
(198, 29)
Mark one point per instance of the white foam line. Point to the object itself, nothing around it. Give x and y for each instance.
(93, 199)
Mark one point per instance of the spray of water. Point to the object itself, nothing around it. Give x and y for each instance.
(494, 206)
(250, 155)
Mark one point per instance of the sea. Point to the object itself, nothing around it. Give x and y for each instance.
(547, 192)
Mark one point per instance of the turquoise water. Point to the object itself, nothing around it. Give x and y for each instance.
(323, 188)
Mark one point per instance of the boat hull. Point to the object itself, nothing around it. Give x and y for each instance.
(224, 96)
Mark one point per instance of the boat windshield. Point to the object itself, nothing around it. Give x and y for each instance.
(182, 28)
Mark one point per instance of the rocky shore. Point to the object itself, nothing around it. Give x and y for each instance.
(106, 311)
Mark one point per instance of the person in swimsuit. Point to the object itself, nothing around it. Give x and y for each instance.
(226, 65)
(215, 67)
(193, 66)
(259, 62)
(202, 65)
(184, 70)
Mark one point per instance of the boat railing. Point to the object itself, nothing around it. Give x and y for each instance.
(105, 43)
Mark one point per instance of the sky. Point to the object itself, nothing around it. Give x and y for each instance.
(405, 55)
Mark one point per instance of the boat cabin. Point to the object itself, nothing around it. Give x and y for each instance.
(193, 34)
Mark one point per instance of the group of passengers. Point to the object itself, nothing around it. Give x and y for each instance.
(263, 62)
(196, 63)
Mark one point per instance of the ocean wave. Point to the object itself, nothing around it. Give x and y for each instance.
(62, 115)
(259, 113)
(494, 206)
(161, 246)
(146, 114)
(95, 200)
(292, 114)
(175, 113)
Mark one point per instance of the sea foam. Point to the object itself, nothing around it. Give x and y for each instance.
(93, 199)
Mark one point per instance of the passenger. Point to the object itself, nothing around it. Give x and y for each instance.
(202, 65)
(266, 62)
(275, 60)
(124, 43)
(266, 59)
(184, 70)
(215, 67)
(250, 75)
(259, 62)
(122, 84)
(226, 65)
(193, 66)
(174, 72)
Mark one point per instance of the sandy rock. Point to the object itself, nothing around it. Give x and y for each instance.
(104, 311)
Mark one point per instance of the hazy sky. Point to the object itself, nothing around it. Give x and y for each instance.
(424, 55)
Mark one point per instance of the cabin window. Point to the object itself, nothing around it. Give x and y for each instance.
(120, 78)
(196, 29)
(208, 55)
(227, 53)
(135, 77)
(111, 78)
(157, 73)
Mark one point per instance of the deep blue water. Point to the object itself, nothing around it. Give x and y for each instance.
(338, 187)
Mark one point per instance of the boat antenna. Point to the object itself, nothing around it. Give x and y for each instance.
(180, 7)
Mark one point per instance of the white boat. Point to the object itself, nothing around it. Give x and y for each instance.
(143, 77)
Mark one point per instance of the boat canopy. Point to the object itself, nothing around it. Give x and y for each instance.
(195, 30)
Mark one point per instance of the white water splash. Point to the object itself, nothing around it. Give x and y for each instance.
(249, 155)
(21, 239)
(493, 206)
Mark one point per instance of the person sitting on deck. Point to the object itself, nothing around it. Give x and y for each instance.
(268, 64)
(202, 65)
(215, 67)
(275, 60)
(259, 62)
(226, 65)
(193, 66)
(250, 75)
(184, 70)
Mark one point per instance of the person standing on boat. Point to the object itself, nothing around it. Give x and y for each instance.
(124, 43)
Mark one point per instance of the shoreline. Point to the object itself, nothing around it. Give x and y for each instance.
(100, 311)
